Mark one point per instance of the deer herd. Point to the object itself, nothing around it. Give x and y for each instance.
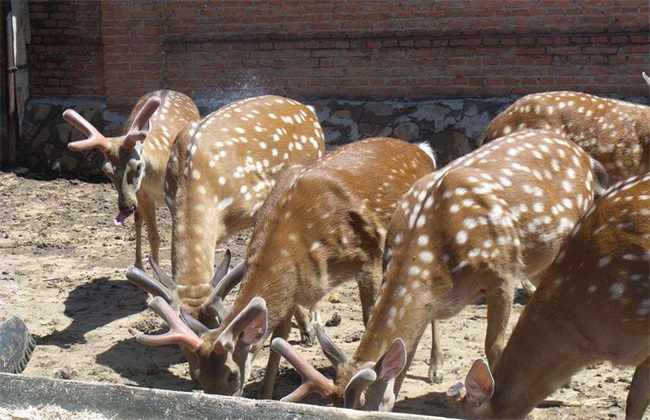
(557, 197)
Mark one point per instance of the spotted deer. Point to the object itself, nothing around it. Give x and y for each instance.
(322, 224)
(471, 230)
(615, 133)
(220, 171)
(592, 304)
(136, 161)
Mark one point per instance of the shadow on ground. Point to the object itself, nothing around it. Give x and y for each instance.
(146, 366)
(93, 305)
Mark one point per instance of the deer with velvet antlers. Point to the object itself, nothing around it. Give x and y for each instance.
(593, 304)
(220, 171)
(322, 224)
(614, 132)
(136, 161)
(472, 229)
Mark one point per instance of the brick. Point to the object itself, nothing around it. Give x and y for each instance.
(91, 45)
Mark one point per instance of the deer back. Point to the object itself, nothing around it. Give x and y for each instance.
(220, 172)
(614, 132)
(344, 203)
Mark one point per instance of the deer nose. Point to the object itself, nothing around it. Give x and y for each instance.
(128, 209)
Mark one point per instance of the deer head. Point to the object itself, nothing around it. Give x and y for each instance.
(219, 358)
(123, 160)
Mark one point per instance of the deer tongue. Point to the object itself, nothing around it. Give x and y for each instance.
(119, 219)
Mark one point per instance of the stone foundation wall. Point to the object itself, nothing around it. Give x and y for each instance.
(451, 126)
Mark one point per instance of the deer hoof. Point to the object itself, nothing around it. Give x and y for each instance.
(435, 377)
(308, 338)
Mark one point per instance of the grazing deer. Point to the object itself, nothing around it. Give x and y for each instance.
(220, 171)
(473, 229)
(592, 304)
(136, 161)
(321, 225)
(615, 133)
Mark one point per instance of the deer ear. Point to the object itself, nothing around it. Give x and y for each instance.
(479, 382)
(140, 126)
(392, 362)
(255, 329)
(248, 327)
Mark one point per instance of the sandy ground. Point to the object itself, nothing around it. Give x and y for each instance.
(62, 265)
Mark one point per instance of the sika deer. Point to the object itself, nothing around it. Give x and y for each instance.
(220, 171)
(322, 225)
(615, 133)
(591, 305)
(136, 162)
(472, 229)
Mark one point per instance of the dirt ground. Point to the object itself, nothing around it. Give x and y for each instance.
(62, 265)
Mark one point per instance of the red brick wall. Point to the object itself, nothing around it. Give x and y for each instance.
(65, 56)
(409, 49)
(133, 54)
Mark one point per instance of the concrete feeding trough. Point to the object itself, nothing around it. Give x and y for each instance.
(126, 402)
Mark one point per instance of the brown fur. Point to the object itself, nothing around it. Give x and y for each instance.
(461, 233)
(320, 226)
(591, 305)
(615, 133)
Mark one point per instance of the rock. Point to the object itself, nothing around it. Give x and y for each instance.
(353, 338)
(65, 133)
(42, 111)
(65, 373)
(67, 163)
(459, 144)
(473, 126)
(375, 130)
(334, 298)
(343, 121)
(32, 162)
(407, 131)
(40, 138)
(334, 321)
(379, 109)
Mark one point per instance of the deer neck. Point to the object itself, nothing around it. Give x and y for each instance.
(535, 363)
(276, 285)
(195, 232)
(401, 311)
(285, 269)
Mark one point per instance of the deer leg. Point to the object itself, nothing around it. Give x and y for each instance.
(307, 331)
(437, 359)
(368, 288)
(271, 373)
(148, 211)
(138, 240)
(638, 397)
(315, 315)
(499, 306)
